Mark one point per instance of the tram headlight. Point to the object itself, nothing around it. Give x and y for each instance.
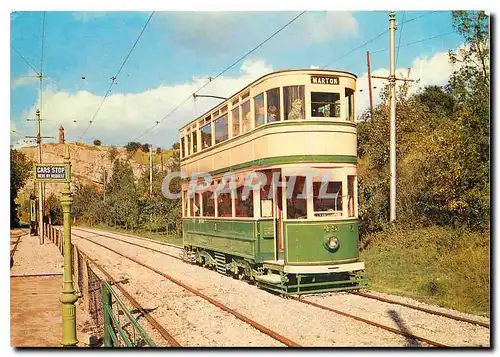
(333, 243)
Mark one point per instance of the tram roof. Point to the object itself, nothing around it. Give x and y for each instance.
(308, 70)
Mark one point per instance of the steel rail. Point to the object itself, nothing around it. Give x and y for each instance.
(131, 243)
(217, 303)
(131, 236)
(163, 332)
(423, 309)
(376, 324)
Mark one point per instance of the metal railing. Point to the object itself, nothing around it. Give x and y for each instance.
(99, 299)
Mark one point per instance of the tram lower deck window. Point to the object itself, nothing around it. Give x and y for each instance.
(325, 104)
(208, 204)
(327, 198)
(243, 206)
(296, 204)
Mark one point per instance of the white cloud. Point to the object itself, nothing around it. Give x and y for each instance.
(435, 70)
(124, 116)
(221, 31)
(28, 79)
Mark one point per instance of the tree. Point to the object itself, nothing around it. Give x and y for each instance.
(132, 146)
(53, 209)
(20, 170)
(145, 147)
(97, 142)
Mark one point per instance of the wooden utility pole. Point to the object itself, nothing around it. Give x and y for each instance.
(40, 184)
(369, 83)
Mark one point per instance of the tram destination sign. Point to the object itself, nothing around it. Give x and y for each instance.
(332, 80)
(51, 172)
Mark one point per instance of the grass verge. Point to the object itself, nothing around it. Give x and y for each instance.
(436, 265)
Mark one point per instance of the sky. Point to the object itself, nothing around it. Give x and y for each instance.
(179, 51)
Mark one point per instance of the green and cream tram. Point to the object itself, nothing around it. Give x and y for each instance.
(298, 126)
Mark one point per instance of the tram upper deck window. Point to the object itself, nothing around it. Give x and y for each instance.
(349, 104)
(293, 97)
(246, 119)
(182, 147)
(189, 144)
(273, 105)
(325, 105)
(195, 141)
(206, 136)
(236, 121)
(221, 129)
(296, 202)
(327, 198)
(259, 111)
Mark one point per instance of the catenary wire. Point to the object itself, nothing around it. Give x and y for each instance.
(400, 37)
(220, 74)
(113, 79)
(24, 59)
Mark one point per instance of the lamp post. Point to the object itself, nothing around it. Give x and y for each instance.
(68, 296)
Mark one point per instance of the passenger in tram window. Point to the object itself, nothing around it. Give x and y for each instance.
(296, 112)
(272, 114)
(261, 117)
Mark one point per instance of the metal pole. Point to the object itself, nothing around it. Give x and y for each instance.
(151, 170)
(369, 83)
(68, 296)
(40, 184)
(392, 83)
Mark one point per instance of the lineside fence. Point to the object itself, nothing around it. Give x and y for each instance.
(100, 300)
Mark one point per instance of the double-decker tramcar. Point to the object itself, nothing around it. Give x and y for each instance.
(294, 229)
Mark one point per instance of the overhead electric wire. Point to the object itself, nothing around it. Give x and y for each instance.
(418, 17)
(221, 73)
(25, 60)
(41, 60)
(400, 37)
(355, 48)
(113, 79)
(415, 42)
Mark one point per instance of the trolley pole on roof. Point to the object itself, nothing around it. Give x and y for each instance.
(392, 83)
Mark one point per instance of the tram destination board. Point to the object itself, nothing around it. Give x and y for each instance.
(51, 172)
(324, 79)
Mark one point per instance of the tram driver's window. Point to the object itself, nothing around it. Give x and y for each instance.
(351, 179)
(259, 110)
(185, 204)
(296, 203)
(293, 98)
(327, 198)
(206, 136)
(221, 129)
(243, 206)
(325, 105)
(273, 105)
(349, 104)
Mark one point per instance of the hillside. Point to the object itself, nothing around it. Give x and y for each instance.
(89, 162)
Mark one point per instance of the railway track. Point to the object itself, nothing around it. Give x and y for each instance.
(358, 293)
(405, 334)
(419, 308)
(278, 337)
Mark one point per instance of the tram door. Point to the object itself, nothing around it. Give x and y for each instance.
(278, 223)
